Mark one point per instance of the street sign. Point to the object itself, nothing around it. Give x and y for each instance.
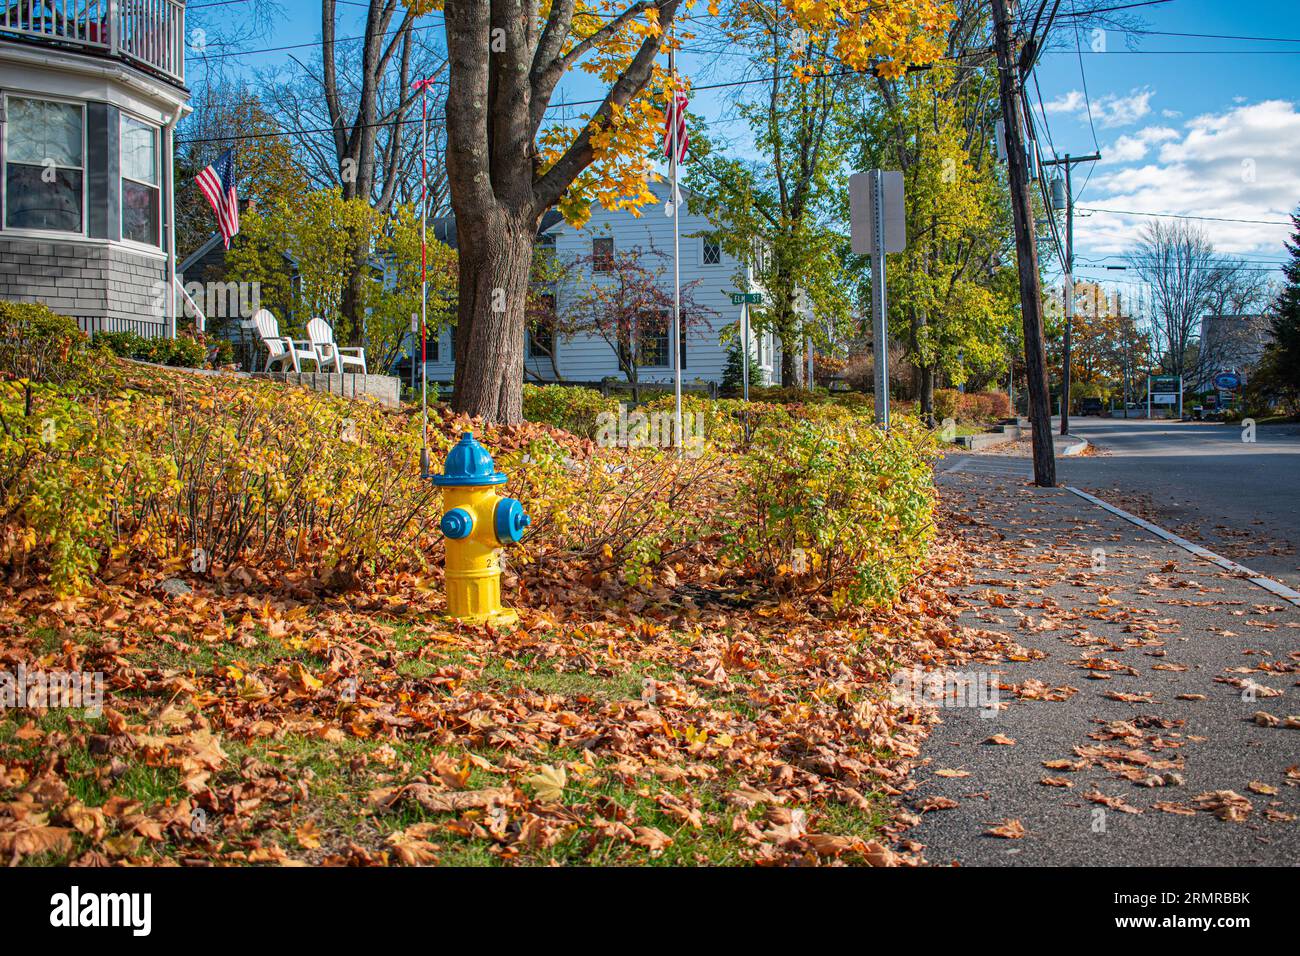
(862, 213)
(1227, 381)
(746, 298)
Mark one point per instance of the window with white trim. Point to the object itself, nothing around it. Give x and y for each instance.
(711, 252)
(141, 195)
(653, 349)
(44, 178)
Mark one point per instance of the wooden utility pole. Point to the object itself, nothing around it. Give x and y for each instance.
(1031, 301)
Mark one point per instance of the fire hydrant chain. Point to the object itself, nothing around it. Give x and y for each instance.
(477, 522)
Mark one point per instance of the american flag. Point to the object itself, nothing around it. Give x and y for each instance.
(676, 116)
(218, 183)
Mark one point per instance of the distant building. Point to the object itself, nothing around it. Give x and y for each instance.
(90, 94)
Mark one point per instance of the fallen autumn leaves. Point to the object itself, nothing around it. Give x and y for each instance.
(280, 727)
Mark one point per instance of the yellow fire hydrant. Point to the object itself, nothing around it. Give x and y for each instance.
(477, 522)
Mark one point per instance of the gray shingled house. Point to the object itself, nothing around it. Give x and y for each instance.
(90, 94)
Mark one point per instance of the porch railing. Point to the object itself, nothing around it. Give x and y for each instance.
(150, 33)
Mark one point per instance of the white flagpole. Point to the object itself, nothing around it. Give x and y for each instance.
(677, 267)
(424, 283)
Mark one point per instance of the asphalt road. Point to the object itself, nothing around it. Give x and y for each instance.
(1202, 481)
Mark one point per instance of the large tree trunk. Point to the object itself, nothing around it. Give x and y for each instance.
(790, 361)
(495, 257)
(497, 98)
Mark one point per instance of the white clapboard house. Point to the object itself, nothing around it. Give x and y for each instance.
(588, 357)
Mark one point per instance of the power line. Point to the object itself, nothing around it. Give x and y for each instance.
(1083, 78)
(1212, 36)
(1170, 215)
(1180, 52)
(1122, 6)
(225, 54)
(549, 106)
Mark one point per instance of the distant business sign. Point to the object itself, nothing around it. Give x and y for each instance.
(743, 298)
(1227, 381)
(1166, 385)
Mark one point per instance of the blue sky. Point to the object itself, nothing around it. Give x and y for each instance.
(1187, 125)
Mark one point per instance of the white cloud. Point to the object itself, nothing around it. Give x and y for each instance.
(1071, 102)
(1123, 110)
(1239, 164)
(1131, 148)
(1108, 111)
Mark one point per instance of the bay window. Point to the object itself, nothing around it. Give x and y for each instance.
(140, 179)
(44, 165)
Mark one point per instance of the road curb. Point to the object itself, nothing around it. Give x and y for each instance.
(1268, 584)
(1077, 446)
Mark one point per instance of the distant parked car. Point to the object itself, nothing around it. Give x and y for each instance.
(1091, 406)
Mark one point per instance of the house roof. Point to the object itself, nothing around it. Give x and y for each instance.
(444, 227)
(660, 189)
(193, 258)
(207, 246)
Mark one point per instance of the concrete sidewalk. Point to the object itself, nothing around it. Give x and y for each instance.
(1146, 665)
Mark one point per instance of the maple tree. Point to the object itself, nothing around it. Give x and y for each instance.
(779, 213)
(230, 116)
(509, 160)
(300, 254)
(945, 300)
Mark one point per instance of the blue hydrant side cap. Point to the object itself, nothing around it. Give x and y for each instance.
(509, 521)
(469, 463)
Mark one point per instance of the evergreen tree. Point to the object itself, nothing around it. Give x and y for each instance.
(1284, 353)
(732, 382)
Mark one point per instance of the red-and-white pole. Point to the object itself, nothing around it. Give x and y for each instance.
(423, 87)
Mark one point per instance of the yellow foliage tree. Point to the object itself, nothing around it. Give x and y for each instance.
(509, 159)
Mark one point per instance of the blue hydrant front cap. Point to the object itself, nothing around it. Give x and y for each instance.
(457, 523)
(469, 463)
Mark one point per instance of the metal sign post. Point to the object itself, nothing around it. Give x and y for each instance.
(879, 303)
(877, 220)
(744, 300)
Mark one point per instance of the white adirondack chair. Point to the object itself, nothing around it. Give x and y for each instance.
(281, 349)
(330, 354)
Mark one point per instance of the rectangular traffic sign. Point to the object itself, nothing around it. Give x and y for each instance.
(741, 298)
(862, 213)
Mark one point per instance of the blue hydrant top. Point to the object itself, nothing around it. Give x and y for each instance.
(469, 463)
